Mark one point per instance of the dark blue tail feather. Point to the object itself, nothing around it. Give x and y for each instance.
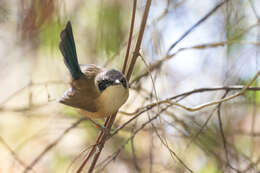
(68, 50)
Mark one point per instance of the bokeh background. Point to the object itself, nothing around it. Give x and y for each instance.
(222, 51)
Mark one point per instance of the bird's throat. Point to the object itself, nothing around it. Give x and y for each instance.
(112, 98)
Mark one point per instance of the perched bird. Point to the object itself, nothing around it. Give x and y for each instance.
(96, 91)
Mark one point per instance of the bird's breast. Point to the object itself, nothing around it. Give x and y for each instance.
(111, 99)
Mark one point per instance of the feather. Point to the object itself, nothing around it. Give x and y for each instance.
(68, 50)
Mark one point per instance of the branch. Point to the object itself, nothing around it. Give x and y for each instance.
(140, 111)
(116, 153)
(110, 120)
(196, 25)
(49, 147)
(221, 128)
(130, 37)
(15, 156)
(158, 63)
(168, 100)
(139, 40)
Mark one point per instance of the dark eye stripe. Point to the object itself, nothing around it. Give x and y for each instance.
(103, 84)
(123, 81)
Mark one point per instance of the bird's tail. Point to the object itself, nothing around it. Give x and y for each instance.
(68, 50)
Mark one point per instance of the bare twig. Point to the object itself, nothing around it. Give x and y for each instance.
(53, 144)
(130, 36)
(93, 148)
(139, 39)
(15, 156)
(134, 156)
(115, 154)
(165, 143)
(103, 136)
(256, 68)
(201, 128)
(151, 148)
(202, 106)
(162, 139)
(197, 24)
(158, 63)
(140, 111)
(221, 128)
(101, 144)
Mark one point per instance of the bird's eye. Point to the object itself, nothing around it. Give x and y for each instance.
(102, 86)
(123, 81)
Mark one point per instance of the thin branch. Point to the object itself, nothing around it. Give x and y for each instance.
(221, 128)
(133, 150)
(15, 156)
(101, 144)
(199, 107)
(113, 156)
(14, 94)
(130, 36)
(165, 143)
(162, 139)
(110, 120)
(151, 148)
(93, 148)
(28, 85)
(201, 128)
(140, 111)
(53, 144)
(251, 165)
(158, 63)
(139, 40)
(134, 155)
(197, 24)
(253, 121)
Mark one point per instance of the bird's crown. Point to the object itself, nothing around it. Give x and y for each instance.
(109, 78)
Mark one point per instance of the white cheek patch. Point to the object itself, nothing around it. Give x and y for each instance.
(117, 81)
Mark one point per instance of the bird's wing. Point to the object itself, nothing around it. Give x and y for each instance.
(75, 99)
(83, 92)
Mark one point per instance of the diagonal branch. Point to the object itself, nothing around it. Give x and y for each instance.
(130, 37)
(49, 147)
(139, 40)
(15, 156)
(110, 120)
(196, 25)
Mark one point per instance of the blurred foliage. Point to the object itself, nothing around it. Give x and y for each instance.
(58, 162)
(31, 119)
(50, 35)
(236, 26)
(4, 12)
(34, 14)
(211, 167)
(251, 96)
(109, 30)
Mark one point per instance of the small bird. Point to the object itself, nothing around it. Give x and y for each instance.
(96, 92)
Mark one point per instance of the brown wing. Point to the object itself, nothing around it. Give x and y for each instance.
(83, 91)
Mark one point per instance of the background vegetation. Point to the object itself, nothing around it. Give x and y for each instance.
(194, 98)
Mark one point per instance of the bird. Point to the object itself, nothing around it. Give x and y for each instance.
(94, 91)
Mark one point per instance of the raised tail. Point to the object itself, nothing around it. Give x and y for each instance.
(68, 50)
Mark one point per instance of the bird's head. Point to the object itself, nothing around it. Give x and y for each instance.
(109, 79)
(114, 90)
